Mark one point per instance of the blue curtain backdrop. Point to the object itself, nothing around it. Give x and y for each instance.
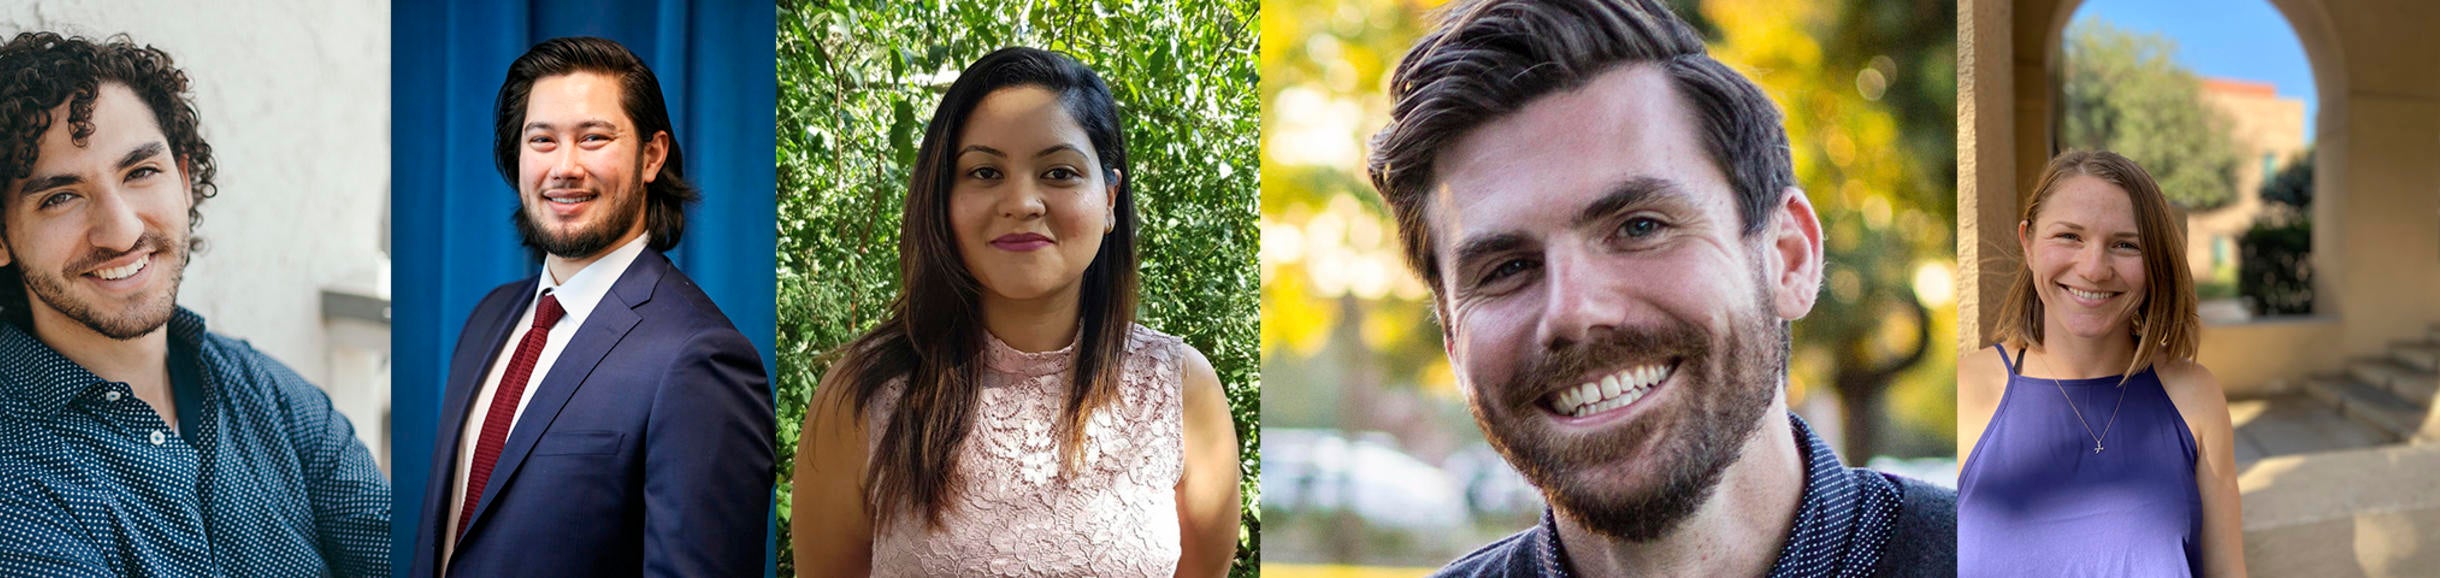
(450, 210)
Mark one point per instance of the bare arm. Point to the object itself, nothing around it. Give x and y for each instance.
(829, 528)
(2204, 405)
(1207, 493)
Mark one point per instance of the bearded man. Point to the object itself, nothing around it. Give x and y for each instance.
(1615, 246)
(601, 418)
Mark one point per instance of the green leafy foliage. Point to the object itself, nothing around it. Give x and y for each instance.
(2124, 92)
(857, 82)
(2275, 263)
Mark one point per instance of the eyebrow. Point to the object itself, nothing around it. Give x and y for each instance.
(595, 123)
(134, 156)
(1487, 245)
(1623, 194)
(2075, 226)
(1054, 149)
(1628, 193)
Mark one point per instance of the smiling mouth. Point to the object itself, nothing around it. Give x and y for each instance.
(122, 271)
(2089, 295)
(1612, 391)
(569, 198)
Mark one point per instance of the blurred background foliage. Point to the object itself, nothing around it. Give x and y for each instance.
(2124, 91)
(1359, 384)
(858, 81)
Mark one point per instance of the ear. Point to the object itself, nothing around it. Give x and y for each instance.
(656, 151)
(1117, 177)
(2024, 239)
(7, 255)
(1796, 243)
(1448, 346)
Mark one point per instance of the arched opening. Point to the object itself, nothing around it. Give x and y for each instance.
(2214, 98)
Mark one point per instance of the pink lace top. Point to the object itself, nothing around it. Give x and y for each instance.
(1017, 514)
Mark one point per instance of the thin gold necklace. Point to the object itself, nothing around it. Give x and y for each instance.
(2071, 406)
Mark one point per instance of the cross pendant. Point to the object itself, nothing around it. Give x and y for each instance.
(2096, 448)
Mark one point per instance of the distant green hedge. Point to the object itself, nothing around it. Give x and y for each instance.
(857, 82)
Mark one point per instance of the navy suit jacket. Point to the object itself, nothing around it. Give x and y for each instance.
(646, 450)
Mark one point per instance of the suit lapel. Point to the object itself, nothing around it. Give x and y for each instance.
(603, 329)
(466, 373)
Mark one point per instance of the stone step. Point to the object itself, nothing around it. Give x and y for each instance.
(2413, 384)
(2425, 356)
(2372, 405)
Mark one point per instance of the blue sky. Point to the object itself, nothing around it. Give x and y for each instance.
(2241, 39)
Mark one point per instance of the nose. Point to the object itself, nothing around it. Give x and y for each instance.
(2093, 263)
(116, 226)
(563, 165)
(1579, 304)
(1023, 201)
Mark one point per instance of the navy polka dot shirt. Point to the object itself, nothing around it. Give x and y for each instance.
(262, 478)
(1852, 522)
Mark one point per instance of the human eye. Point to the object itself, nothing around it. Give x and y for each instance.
(56, 199)
(1506, 270)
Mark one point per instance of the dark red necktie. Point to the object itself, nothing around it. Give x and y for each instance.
(504, 404)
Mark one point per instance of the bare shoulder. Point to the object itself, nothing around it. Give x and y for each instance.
(1201, 379)
(2198, 397)
(2192, 385)
(1981, 378)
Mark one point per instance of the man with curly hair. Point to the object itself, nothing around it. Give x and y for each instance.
(132, 440)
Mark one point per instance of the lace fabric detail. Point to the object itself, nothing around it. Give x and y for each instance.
(1017, 514)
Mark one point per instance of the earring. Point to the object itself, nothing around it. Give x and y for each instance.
(1109, 223)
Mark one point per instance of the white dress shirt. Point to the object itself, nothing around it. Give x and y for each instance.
(577, 295)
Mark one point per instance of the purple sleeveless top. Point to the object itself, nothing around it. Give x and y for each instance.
(2036, 500)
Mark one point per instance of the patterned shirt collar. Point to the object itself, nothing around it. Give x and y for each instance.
(38, 382)
(1842, 523)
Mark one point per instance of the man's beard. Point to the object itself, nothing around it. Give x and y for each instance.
(622, 211)
(148, 314)
(1722, 405)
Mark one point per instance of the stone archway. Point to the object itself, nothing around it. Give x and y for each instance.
(2367, 511)
(2009, 55)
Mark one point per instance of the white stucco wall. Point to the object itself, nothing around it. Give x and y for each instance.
(295, 99)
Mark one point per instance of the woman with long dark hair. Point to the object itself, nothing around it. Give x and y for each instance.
(2100, 447)
(1009, 417)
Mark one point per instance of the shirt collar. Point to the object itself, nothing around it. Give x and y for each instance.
(589, 285)
(1824, 536)
(38, 382)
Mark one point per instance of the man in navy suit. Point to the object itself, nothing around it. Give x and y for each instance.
(602, 418)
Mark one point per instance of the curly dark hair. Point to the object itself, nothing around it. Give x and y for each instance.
(41, 70)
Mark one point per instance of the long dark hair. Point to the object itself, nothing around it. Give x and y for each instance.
(933, 337)
(666, 197)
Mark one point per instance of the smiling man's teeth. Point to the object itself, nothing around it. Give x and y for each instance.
(1613, 391)
(2082, 294)
(122, 272)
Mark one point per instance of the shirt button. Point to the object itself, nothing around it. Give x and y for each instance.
(112, 396)
(158, 437)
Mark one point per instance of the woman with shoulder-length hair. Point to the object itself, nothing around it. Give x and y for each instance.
(1009, 418)
(2100, 447)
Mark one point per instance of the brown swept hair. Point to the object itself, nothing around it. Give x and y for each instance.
(2166, 326)
(933, 336)
(1489, 59)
